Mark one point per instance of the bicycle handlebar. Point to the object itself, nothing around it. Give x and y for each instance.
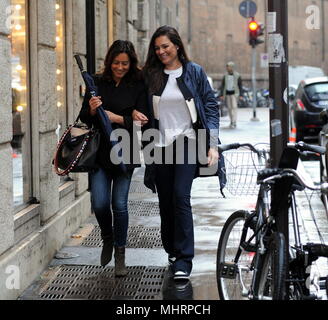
(293, 173)
(302, 146)
(231, 146)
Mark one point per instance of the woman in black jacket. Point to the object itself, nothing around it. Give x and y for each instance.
(121, 93)
(181, 102)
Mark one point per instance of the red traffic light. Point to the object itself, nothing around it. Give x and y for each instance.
(255, 30)
(253, 26)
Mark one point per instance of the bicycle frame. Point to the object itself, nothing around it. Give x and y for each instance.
(266, 212)
(269, 223)
(294, 214)
(263, 225)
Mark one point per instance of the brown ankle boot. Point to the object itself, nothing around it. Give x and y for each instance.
(120, 268)
(107, 251)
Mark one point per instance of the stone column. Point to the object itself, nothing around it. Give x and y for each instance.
(131, 19)
(120, 27)
(79, 47)
(143, 29)
(49, 182)
(101, 32)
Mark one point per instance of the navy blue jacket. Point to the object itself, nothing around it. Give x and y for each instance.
(198, 94)
(203, 108)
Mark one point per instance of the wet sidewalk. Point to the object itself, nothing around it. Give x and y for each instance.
(75, 272)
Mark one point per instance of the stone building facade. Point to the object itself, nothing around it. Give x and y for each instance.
(41, 92)
(217, 33)
(214, 32)
(38, 211)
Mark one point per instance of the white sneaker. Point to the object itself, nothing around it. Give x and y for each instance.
(181, 275)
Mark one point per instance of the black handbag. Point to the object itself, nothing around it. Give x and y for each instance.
(77, 150)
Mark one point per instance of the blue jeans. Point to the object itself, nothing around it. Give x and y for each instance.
(110, 193)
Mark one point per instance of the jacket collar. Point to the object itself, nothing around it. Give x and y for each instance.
(185, 91)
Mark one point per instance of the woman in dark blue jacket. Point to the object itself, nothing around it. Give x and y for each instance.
(184, 110)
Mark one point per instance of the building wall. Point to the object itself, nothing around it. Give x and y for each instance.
(311, 47)
(30, 237)
(216, 33)
(219, 34)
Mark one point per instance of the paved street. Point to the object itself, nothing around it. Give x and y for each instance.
(210, 212)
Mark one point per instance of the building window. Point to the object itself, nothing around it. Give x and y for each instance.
(61, 70)
(20, 106)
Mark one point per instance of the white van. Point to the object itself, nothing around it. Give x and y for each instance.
(299, 73)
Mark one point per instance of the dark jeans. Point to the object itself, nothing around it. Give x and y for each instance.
(173, 183)
(111, 193)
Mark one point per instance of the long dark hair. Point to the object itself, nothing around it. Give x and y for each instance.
(118, 47)
(153, 69)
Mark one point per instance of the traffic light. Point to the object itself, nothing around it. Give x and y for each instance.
(255, 30)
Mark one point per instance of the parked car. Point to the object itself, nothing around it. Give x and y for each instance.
(311, 97)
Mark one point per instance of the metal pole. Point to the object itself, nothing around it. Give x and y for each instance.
(279, 113)
(254, 83)
(278, 78)
(189, 28)
(323, 25)
(91, 42)
(189, 22)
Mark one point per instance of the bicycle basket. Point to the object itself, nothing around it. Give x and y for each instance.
(241, 169)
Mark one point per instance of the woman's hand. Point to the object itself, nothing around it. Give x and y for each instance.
(139, 117)
(94, 103)
(113, 117)
(213, 157)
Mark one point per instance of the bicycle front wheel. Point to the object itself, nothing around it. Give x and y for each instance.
(234, 279)
(273, 271)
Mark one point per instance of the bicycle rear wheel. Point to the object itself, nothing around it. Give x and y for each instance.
(272, 275)
(234, 279)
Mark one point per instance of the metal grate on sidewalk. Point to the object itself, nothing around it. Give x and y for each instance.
(143, 208)
(99, 283)
(138, 187)
(138, 237)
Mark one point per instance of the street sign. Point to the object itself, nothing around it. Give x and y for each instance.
(264, 60)
(248, 9)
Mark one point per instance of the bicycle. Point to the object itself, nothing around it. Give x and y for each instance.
(253, 261)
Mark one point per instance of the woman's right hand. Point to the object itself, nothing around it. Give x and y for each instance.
(139, 117)
(94, 103)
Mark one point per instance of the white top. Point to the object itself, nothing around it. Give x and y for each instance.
(174, 116)
(230, 83)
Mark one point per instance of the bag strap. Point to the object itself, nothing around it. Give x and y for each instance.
(77, 120)
(77, 157)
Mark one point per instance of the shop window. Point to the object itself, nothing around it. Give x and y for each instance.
(20, 107)
(60, 71)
